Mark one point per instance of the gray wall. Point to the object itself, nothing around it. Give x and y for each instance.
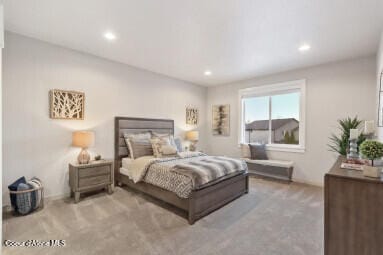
(334, 91)
(35, 145)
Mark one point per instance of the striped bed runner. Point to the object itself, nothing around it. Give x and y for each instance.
(209, 169)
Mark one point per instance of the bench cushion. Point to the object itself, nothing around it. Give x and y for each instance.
(271, 162)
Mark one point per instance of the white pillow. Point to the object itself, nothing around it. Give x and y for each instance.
(162, 147)
(164, 135)
(245, 150)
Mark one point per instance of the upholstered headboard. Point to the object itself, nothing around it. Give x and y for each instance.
(128, 125)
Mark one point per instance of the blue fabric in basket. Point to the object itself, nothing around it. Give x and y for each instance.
(13, 187)
(24, 201)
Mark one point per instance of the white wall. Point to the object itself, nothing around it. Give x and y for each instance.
(35, 145)
(334, 91)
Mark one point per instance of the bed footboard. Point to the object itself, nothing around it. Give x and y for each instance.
(209, 199)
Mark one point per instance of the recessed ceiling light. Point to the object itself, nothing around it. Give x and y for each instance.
(304, 47)
(207, 73)
(110, 36)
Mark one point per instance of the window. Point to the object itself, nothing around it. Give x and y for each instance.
(274, 115)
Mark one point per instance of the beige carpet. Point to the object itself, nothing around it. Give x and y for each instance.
(274, 218)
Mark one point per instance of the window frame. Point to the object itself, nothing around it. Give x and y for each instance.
(269, 90)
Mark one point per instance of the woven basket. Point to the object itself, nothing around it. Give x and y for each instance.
(39, 189)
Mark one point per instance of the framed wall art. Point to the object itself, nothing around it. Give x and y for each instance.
(191, 116)
(380, 109)
(221, 120)
(66, 104)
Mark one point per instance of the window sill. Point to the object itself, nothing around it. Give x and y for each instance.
(285, 148)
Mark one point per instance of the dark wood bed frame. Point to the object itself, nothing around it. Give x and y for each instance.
(200, 202)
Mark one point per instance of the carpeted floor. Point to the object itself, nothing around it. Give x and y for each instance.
(274, 218)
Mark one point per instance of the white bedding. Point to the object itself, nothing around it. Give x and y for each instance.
(135, 168)
(124, 171)
(126, 162)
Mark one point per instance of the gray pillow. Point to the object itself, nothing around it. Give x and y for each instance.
(258, 151)
(139, 148)
(139, 144)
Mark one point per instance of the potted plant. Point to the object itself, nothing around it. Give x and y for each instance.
(371, 150)
(340, 144)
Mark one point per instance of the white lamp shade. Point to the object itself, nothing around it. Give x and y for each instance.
(192, 135)
(83, 139)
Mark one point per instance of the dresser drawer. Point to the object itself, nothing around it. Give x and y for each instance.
(94, 180)
(93, 171)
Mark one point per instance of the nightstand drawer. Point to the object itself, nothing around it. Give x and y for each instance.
(89, 181)
(93, 171)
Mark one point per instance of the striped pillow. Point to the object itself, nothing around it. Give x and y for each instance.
(139, 144)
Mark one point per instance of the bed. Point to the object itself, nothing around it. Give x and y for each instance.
(202, 200)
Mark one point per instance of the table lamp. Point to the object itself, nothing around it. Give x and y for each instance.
(192, 136)
(84, 140)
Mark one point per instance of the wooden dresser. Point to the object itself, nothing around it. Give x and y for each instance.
(353, 213)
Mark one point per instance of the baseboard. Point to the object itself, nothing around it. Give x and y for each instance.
(56, 197)
(317, 184)
(7, 206)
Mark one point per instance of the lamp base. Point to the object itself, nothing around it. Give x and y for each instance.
(193, 146)
(83, 157)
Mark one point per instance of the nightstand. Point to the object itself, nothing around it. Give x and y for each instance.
(87, 177)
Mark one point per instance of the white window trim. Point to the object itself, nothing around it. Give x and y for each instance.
(267, 90)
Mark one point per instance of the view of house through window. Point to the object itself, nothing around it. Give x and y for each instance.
(272, 119)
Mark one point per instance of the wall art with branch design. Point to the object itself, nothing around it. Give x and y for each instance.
(66, 104)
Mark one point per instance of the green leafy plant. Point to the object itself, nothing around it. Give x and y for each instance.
(289, 138)
(286, 137)
(372, 150)
(340, 144)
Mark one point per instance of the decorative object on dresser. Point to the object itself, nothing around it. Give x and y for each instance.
(84, 140)
(92, 176)
(372, 150)
(193, 137)
(353, 150)
(281, 170)
(369, 129)
(352, 207)
(221, 120)
(340, 144)
(191, 116)
(66, 104)
(354, 164)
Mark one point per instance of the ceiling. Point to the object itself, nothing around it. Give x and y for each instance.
(234, 39)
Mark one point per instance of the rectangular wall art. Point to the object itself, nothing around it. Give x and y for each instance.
(66, 104)
(221, 120)
(380, 110)
(191, 116)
